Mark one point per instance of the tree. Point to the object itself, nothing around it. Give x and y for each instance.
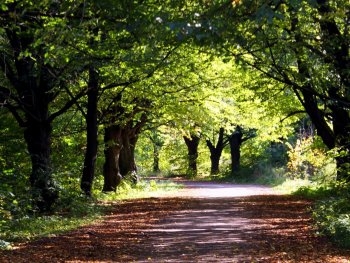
(304, 46)
(111, 171)
(192, 143)
(216, 151)
(91, 133)
(157, 144)
(30, 84)
(235, 139)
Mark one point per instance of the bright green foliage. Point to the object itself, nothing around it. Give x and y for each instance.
(156, 59)
(14, 164)
(304, 46)
(306, 161)
(201, 93)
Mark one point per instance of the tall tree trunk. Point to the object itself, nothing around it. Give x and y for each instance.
(127, 156)
(91, 134)
(157, 144)
(338, 137)
(156, 152)
(111, 171)
(235, 141)
(215, 152)
(192, 148)
(341, 128)
(127, 162)
(35, 95)
(38, 138)
(130, 135)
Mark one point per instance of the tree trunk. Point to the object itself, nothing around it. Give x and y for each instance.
(127, 162)
(157, 144)
(156, 152)
(38, 138)
(111, 172)
(91, 134)
(235, 141)
(338, 136)
(35, 98)
(215, 152)
(192, 148)
(341, 128)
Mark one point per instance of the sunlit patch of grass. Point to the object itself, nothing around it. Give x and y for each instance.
(33, 226)
(290, 186)
(143, 189)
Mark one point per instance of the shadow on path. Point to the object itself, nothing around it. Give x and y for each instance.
(260, 228)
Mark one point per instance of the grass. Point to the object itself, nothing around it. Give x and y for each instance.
(78, 213)
(290, 186)
(74, 210)
(143, 189)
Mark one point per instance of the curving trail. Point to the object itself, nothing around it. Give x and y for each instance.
(205, 222)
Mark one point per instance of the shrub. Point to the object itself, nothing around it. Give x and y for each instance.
(331, 211)
(332, 218)
(308, 159)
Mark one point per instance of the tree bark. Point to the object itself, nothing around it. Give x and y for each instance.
(336, 45)
(215, 152)
(111, 171)
(130, 135)
(127, 162)
(192, 148)
(91, 134)
(235, 141)
(38, 138)
(338, 56)
(341, 128)
(157, 144)
(156, 153)
(34, 93)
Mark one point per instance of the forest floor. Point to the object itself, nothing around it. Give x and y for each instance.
(204, 222)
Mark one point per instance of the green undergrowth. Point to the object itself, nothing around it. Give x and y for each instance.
(72, 211)
(145, 188)
(331, 210)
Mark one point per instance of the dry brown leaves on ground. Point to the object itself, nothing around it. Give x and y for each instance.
(238, 229)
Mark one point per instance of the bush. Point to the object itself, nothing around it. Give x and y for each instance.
(331, 211)
(308, 159)
(333, 219)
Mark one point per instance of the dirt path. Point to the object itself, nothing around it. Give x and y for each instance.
(205, 222)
